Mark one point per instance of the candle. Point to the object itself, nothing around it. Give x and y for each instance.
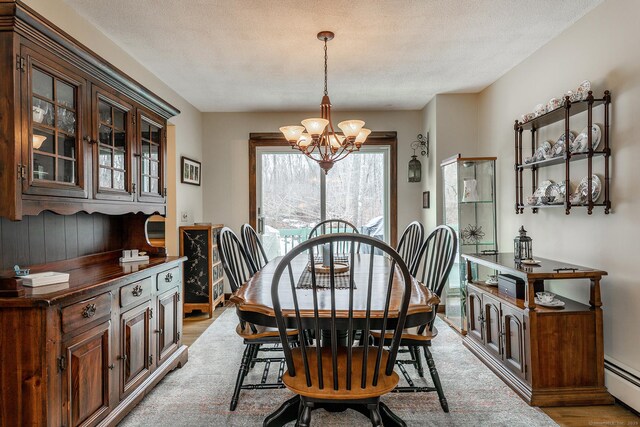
(326, 253)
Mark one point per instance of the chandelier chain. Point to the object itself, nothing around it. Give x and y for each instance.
(326, 92)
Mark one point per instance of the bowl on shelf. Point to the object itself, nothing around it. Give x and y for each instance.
(532, 200)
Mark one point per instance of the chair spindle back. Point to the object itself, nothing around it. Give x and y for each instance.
(375, 297)
(253, 247)
(409, 245)
(234, 259)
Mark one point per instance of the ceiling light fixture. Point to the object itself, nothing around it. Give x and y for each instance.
(320, 142)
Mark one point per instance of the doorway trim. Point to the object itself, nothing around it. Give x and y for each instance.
(274, 139)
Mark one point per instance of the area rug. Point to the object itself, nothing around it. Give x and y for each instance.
(199, 393)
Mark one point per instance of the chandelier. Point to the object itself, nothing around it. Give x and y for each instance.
(320, 142)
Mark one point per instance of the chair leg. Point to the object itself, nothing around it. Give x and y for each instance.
(436, 378)
(244, 368)
(416, 351)
(374, 415)
(254, 354)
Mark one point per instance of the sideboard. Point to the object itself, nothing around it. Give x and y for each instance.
(549, 356)
(86, 353)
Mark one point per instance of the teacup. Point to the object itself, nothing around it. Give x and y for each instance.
(545, 296)
(554, 103)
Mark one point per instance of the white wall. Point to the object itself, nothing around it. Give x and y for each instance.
(601, 47)
(188, 125)
(226, 158)
(451, 120)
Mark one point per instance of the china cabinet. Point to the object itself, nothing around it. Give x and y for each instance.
(551, 356)
(470, 209)
(78, 134)
(594, 192)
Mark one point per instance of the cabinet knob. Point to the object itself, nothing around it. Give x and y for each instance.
(111, 366)
(168, 277)
(137, 291)
(123, 357)
(159, 331)
(89, 311)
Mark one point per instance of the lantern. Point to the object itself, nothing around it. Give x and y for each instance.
(415, 169)
(522, 247)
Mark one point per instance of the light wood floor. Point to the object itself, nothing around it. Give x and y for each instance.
(573, 416)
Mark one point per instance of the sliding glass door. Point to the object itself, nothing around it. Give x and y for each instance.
(293, 195)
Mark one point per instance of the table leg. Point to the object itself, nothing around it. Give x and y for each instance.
(286, 413)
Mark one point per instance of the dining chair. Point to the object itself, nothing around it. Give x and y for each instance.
(253, 247)
(326, 374)
(409, 245)
(436, 257)
(333, 226)
(239, 269)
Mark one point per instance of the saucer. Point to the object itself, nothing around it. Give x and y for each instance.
(555, 303)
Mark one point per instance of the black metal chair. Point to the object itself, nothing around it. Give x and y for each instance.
(347, 376)
(335, 226)
(409, 245)
(436, 257)
(239, 269)
(253, 247)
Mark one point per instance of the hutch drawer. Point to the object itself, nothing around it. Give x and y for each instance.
(85, 312)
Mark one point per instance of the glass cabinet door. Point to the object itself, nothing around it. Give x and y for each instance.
(151, 146)
(54, 146)
(470, 209)
(113, 153)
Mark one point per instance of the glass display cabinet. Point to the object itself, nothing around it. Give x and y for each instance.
(469, 197)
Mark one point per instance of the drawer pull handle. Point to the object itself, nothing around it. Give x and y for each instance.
(168, 277)
(137, 291)
(159, 331)
(123, 357)
(89, 311)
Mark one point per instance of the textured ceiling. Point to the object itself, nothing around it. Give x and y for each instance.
(263, 55)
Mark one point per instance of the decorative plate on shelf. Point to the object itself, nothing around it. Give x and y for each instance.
(530, 262)
(542, 189)
(581, 141)
(557, 191)
(596, 188)
(556, 303)
(542, 151)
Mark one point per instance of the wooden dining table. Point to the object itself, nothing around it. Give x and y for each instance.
(254, 305)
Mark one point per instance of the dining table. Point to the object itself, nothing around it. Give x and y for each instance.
(254, 305)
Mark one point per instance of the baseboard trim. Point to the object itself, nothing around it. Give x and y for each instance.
(622, 384)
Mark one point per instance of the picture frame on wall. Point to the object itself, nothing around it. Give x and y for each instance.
(190, 171)
(426, 200)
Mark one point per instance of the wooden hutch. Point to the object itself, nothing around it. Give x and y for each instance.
(82, 167)
(549, 356)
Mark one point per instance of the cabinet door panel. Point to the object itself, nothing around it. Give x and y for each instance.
(136, 363)
(53, 148)
(86, 376)
(112, 124)
(475, 316)
(168, 317)
(151, 146)
(514, 356)
(492, 325)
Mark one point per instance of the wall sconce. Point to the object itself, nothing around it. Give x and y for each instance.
(415, 167)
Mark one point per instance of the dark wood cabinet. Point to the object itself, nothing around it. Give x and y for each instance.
(53, 156)
(513, 354)
(203, 273)
(79, 135)
(549, 356)
(85, 355)
(135, 358)
(86, 367)
(168, 334)
(113, 125)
